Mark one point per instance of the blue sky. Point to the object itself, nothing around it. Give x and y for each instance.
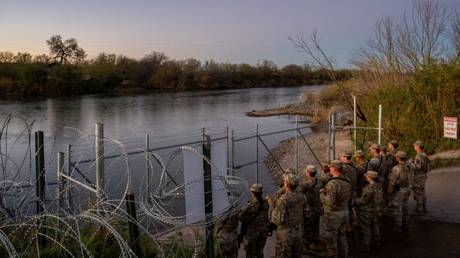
(224, 30)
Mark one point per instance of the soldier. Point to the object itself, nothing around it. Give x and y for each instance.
(334, 198)
(392, 150)
(349, 171)
(361, 168)
(399, 188)
(227, 235)
(254, 223)
(310, 186)
(387, 161)
(289, 213)
(366, 213)
(376, 164)
(420, 166)
(387, 165)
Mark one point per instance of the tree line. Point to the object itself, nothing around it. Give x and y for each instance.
(65, 71)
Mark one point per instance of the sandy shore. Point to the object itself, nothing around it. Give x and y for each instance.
(301, 109)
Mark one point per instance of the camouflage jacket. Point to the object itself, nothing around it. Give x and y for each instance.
(420, 164)
(387, 164)
(335, 194)
(367, 200)
(400, 177)
(255, 216)
(290, 210)
(350, 172)
(375, 164)
(311, 187)
(361, 168)
(392, 154)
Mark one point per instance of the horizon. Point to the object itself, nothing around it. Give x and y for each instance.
(226, 32)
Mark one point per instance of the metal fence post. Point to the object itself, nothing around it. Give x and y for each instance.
(208, 196)
(147, 165)
(132, 223)
(40, 183)
(355, 138)
(233, 152)
(257, 153)
(59, 170)
(333, 118)
(99, 143)
(69, 173)
(40, 170)
(296, 145)
(379, 141)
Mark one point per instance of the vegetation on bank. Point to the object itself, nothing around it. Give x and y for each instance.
(66, 71)
(411, 66)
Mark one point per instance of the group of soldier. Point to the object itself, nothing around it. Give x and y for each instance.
(326, 210)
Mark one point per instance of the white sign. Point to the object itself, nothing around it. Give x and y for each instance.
(450, 127)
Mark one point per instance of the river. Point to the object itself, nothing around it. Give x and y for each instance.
(167, 117)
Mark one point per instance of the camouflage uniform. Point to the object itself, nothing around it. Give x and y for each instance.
(420, 169)
(311, 187)
(334, 199)
(376, 164)
(366, 215)
(289, 214)
(227, 236)
(399, 189)
(349, 171)
(255, 218)
(361, 168)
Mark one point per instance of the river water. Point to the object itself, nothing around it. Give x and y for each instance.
(167, 117)
(159, 113)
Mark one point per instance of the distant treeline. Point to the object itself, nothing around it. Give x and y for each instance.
(47, 75)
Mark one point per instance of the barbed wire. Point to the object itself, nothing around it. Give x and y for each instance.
(67, 228)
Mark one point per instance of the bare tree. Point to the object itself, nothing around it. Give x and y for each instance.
(455, 36)
(42, 59)
(421, 34)
(312, 47)
(6, 57)
(64, 51)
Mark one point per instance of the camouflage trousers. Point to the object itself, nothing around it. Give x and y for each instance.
(254, 245)
(419, 192)
(400, 206)
(367, 227)
(228, 244)
(311, 229)
(333, 232)
(289, 242)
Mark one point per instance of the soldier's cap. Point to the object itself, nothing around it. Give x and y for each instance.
(292, 179)
(311, 168)
(374, 146)
(401, 154)
(336, 164)
(359, 153)
(372, 174)
(256, 188)
(419, 143)
(346, 154)
(393, 142)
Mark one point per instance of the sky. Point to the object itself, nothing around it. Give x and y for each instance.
(236, 31)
